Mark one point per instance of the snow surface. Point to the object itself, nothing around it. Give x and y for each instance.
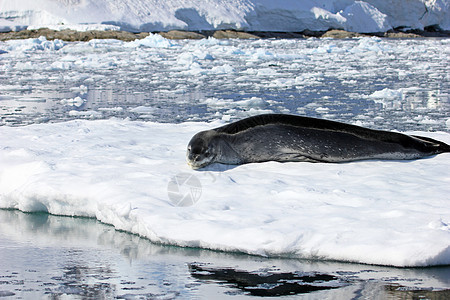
(251, 15)
(121, 172)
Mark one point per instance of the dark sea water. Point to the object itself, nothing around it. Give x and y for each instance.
(46, 256)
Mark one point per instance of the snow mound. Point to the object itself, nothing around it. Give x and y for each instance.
(134, 176)
(251, 15)
(363, 17)
(151, 41)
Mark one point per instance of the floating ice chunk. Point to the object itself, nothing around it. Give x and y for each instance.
(152, 41)
(77, 102)
(220, 103)
(224, 69)
(194, 69)
(189, 58)
(111, 109)
(282, 82)
(330, 48)
(201, 54)
(101, 43)
(322, 110)
(38, 44)
(314, 78)
(31, 99)
(254, 102)
(210, 41)
(387, 94)
(16, 87)
(367, 44)
(266, 72)
(26, 66)
(82, 89)
(186, 58)
(143, 110)
(92, 114)
(61, 65)
(428, 121)
(390, 99)
(262, 54)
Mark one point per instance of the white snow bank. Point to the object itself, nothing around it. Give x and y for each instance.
(377, 212)
(283, 15)
(77, 27)
(363, 17)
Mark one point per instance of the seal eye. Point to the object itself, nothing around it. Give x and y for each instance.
(207, 153)
(196, 150)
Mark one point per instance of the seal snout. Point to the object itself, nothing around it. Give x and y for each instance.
(197, 155)
(193, 157)
(201, 150)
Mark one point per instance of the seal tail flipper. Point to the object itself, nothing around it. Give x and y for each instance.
(433, 145)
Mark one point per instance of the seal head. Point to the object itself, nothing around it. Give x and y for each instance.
(201, 150)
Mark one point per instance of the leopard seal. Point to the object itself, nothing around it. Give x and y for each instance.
(284, 137)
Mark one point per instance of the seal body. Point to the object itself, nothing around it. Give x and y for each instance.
(280, 137)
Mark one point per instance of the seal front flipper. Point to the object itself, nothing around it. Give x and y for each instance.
(296, 157)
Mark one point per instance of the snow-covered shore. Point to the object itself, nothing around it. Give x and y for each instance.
(248, 15)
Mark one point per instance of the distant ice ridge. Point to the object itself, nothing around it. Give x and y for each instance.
(77, 27)
(256, 15)
(124, 173)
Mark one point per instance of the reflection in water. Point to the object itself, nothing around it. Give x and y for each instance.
(51, 256)
(42, 107)
(412, 110)
(267, 283)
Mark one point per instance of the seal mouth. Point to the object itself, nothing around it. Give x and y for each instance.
(193, 165)
(197, 164)
(192, 161)
(198, 161)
